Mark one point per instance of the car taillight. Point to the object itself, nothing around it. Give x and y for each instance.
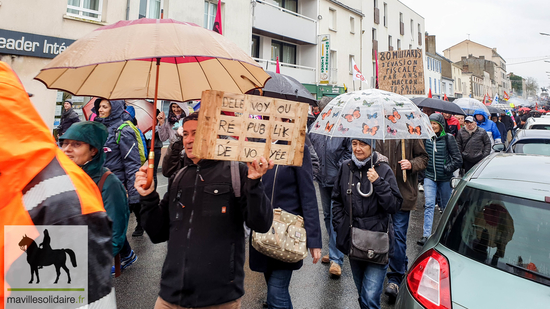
(428, 280)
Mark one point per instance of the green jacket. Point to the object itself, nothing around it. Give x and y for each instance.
(115, 197)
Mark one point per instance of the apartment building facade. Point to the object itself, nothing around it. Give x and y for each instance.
(29, 46)
(466, 48)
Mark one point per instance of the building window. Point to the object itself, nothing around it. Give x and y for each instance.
(286, 52)
(389, 43)
(150, 8)
(412, 30)
(400, 17)
(419, 29)
(428, 63)
(210, 9)
(87, 9)
(375, 4)
(385, 14)
(430, 83)
(351, 60)
(255, 52)
(332, 19)
(410, 46)
(398, 44)
(290, 5)
(444, 87)
(352, 25)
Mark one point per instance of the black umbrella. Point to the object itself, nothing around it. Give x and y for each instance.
(439, 105)
(495, 110)
(286, 87)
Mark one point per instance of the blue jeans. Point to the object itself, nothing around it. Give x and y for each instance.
(369, 280)
(399, 260)
(278, 281)
(334, 254)
(431, 190)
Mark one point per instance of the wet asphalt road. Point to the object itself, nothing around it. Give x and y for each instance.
(311, 286)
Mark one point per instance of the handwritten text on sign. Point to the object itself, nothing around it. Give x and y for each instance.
(402, 71)
(250, 133)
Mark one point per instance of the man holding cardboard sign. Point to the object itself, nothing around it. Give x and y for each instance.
(201, 216)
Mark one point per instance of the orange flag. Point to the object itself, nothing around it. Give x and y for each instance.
(430, 93)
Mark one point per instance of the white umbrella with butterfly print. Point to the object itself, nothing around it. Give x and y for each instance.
(374, 114)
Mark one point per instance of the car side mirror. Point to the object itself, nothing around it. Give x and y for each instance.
(498, 147)
(455, 181)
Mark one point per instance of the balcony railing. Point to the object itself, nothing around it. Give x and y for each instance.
(277, 20)
(374, 48)
(303, 74)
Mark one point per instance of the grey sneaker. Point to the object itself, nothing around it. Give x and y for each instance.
(392, 290)
(420, 187)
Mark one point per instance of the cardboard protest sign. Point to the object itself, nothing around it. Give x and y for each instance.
(247, 136)
(402, 71)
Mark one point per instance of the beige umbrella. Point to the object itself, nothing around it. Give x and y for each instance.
(127, 59)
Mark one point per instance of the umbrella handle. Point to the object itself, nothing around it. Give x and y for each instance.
(151, 168)
(150, 171)
(403, 156)
(363, 194)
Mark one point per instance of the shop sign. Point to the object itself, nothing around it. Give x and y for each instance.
(29, 44)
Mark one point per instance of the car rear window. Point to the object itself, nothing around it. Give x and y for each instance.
(540, 127)
(541, 147)
(505, 232)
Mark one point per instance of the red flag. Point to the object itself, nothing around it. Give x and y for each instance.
(218, 21)
(278, 69)
(376, 58)
(445, 97)
(484, 97)
(506, 96)
(430, 93)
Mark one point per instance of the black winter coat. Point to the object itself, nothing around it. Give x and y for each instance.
(202, 221)
(122, 157)
(369, 213)
(331, 152)
(443, 158)
(473, 147)
(66, 121)
(291, 189)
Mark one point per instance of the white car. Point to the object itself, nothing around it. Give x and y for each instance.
(542, 123)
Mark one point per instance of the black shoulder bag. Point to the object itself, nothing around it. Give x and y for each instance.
(367, 246)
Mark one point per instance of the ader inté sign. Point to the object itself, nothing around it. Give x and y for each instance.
(29, 44)
(401, 71)
(238, 127)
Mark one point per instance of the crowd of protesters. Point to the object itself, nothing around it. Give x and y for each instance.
(211, 206)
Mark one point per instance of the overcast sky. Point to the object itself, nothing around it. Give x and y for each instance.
(511, 26)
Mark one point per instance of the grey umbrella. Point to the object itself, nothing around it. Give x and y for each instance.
(495, 110)
(439, 105)
(286, 87)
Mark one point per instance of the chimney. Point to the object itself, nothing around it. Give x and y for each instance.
(463, 58)
(430, 44)
(482, 57)
(465, 68)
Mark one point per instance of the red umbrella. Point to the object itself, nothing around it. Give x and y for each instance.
(524, 109)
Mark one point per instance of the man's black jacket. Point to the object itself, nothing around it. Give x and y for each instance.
(202, 221)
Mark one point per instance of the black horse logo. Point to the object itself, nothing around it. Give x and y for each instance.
(45, 256)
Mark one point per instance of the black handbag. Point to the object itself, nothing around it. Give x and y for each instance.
(367, 246)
